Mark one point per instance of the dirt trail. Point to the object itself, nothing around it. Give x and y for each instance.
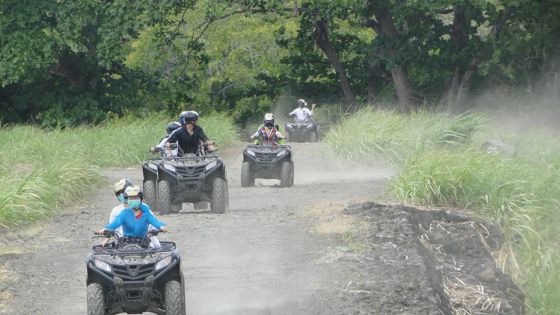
(258, 258)
(276, 251)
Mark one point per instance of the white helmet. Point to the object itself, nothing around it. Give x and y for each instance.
(121, 185)
(133, 191)
(302, 103)
(268, 120)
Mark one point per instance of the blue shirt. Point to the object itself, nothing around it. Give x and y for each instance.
(133, 227)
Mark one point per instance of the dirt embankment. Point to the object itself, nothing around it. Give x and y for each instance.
(298, 250)
(411, 261)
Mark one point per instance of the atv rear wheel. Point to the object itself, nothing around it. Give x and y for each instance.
(286, 174)
(95, 299)
(174, 298)
(150, 194)
(218, 199)
(313, 136)
(164, 197)
(247, 178)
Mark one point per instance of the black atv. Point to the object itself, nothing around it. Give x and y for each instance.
(125, 276)
(150, 176)
(302, 131)
(267, 161)
(197, 178)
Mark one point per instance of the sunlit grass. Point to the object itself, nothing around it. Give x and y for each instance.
(42, 170)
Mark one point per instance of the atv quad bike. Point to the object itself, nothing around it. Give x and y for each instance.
(302, 131)
(196, 178)
(150, 176)
(267, 161)
(125, 276)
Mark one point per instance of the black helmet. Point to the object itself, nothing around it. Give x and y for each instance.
(188, 116)
(172, 126)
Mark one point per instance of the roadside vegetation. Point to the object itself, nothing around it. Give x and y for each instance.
(44, 169)
(441, 160)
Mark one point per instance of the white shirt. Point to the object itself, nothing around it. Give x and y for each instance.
(301, 114)
(167, 152)
(154, 242)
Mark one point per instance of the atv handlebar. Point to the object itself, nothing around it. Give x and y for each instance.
(107, 233)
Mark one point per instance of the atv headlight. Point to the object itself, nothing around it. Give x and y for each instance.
(99, 264)
(169, 167)
(281, 152)
(251, 153)
(164, 263)
(309, 126)
(153, 166)
(289, 125)
(211, 165)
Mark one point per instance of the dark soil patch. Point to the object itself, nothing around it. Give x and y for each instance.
(427, 262)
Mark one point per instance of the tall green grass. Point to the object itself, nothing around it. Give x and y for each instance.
(42, 170)
(440, 161)
(383, 135)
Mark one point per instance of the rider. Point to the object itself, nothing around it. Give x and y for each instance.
(302, 113)
(189, 136)
(268, 132)
(136, 217)
(119, 189)
(171, 127)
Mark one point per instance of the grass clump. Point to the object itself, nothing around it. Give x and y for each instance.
(42, 170)
(441, 162)
(384, 135)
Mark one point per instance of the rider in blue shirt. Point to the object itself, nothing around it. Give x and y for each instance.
(136, 218)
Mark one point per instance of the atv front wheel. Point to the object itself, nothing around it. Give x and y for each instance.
(174, 298)
(150, 194)
(313, 136)
(218, 200)
(286, 174)
(164, 197)
(247, 178)
(95, 299)
(201, 205)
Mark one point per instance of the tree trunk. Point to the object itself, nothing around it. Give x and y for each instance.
(371, 83)
(321, 36)
(398, 71)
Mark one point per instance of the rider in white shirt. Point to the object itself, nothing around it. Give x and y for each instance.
(167, 152)
(302, 113)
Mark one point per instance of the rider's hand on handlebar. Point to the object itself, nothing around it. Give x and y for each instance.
(163, 229)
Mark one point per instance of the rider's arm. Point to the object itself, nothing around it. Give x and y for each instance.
(153, 221)
(203, 136)
(162, 143)
(255, 135)
(309, 113)
(118, 221)
(173, 137)
(292, 113)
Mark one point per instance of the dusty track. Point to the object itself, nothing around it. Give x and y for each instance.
(276, 251)
(260, 257)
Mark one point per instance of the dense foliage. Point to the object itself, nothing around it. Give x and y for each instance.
(66, 62)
